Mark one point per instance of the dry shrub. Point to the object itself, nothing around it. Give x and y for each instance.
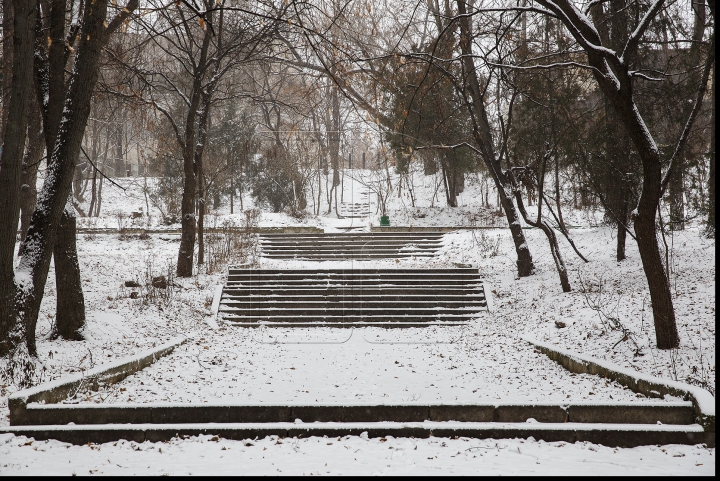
(232, 244)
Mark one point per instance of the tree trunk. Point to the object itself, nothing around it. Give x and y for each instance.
(70, 315)
(190, 159)
(482, 133)
(541, 224)
(187, 239)
(31, 162)
(42, 235)
(201, 219)
(676, 194)
(623, 216)
(22, 13)
(710, 224)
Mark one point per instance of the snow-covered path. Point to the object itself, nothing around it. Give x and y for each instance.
(472, 364)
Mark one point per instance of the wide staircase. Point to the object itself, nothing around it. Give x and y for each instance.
(622, 424)
(352, 297)
(358, 246)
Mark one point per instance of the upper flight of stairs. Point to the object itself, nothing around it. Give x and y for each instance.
(360, 246)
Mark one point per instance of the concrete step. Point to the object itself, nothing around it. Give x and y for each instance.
(641, 412)
(346, 251)
(349, 275)
(362, 292)
(624, 435)
(350, 242)
(408, 234)
(345, 325)
(346, 256)
(378, 299)
(347, 298)
(348, 319)
(348, 304)
(349, 271)
(348, 282)
(322, 312)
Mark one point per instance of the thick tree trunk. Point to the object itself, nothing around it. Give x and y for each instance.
(70, 315)
(611, 71)
(15, 106)
(187, 223)
(644, 215)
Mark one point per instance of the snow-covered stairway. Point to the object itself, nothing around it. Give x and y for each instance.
(331, 246)
(621, 424)
(352, 297)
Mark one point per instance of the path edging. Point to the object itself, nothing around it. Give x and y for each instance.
(651, 386)
(55, 391)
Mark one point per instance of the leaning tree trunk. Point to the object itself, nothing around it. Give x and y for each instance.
(70, 315)
(482, 133)
(544, 226)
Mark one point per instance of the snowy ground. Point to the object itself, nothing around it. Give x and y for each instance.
(350, 455)
(484, 362)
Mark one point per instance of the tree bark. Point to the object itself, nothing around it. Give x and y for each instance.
(623, 216)
(15, 106)
(33, 155)
(710, 223)
(70, 314)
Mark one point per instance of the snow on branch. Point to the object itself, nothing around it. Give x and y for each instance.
(546, 66)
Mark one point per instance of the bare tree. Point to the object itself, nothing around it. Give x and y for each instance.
(614, 73)
(204, 45)
(31, 273)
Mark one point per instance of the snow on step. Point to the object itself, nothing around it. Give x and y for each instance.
(321, 246)
(348, 298)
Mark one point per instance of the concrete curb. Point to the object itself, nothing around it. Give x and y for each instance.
(677, 413)
(703, 401)
(60, 389)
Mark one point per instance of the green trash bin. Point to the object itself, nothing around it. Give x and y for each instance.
(385, 220)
